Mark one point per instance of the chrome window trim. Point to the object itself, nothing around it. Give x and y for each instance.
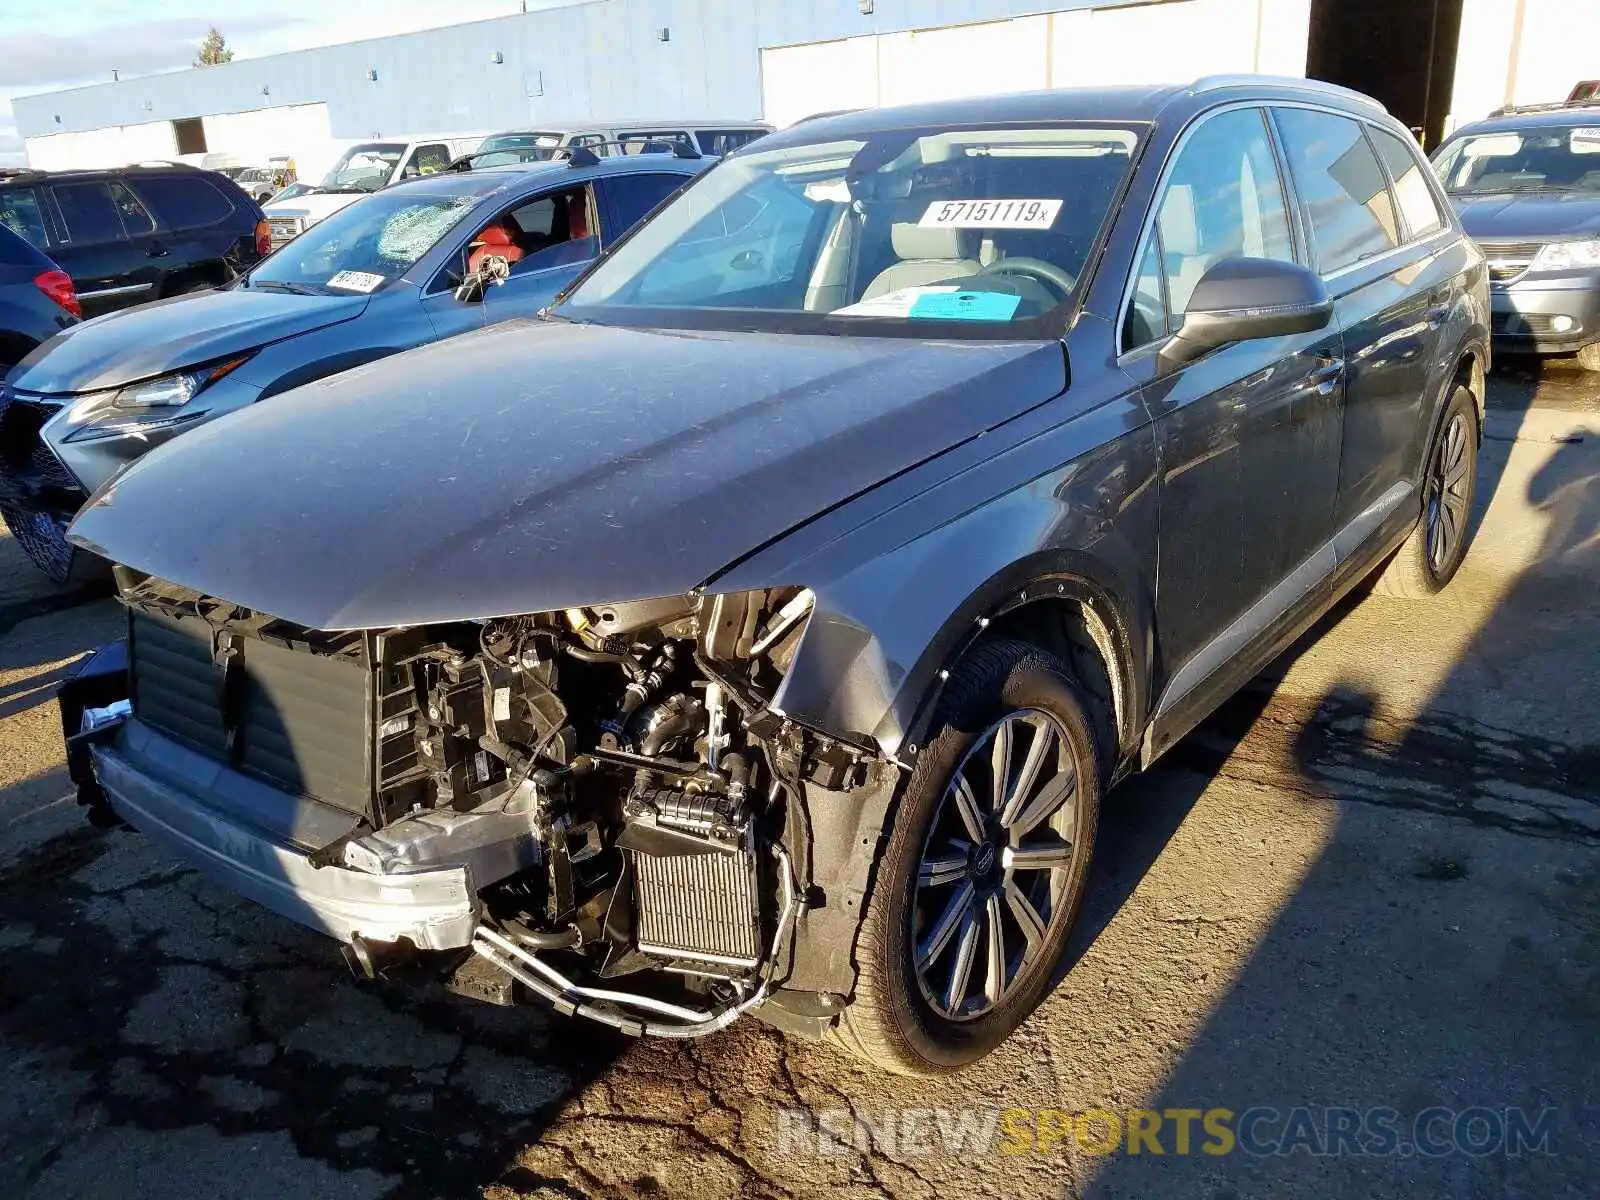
(124, 290)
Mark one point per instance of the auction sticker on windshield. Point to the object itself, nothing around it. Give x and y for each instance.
(990, 214)
(936, 302)
(357, 281)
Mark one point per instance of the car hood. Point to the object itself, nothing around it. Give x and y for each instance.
(169, 335)
(537, 466)
(1529, 217)
(314, 206)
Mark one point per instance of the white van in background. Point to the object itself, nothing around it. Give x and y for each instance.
(707, 135)
(361, 170)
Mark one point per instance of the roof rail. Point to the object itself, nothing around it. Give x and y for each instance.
(1516, 110)
(1212, 83)
(164, 162)
(824, 114)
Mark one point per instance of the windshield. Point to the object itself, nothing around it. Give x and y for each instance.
(364, 168)
(977, 230)
(364, 246)
(532, 146)
(1545, 159)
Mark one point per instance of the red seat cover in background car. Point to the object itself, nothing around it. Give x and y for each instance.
(497, 240)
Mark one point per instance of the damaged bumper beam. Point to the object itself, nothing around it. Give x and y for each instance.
(257, 846)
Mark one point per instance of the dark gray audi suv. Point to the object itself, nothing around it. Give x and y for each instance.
(761, 629)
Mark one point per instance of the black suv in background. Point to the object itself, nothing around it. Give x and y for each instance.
(37, 300)
(1527, 185)
(133, 234)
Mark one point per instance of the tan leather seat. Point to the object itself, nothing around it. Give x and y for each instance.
(926, 256)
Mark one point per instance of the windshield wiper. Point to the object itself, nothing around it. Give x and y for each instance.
(280, 285)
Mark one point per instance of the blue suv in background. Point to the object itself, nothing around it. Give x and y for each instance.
(378, 277)
(37, 299)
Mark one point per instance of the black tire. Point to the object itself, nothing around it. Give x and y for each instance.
(1422, 568)
(893, 1022)
(1589, 357)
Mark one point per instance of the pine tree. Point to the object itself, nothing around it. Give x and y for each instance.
(214, 49)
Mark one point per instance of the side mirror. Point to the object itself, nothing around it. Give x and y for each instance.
(494, 270)
(1243, 299)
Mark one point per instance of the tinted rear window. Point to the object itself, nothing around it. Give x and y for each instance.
(89, 212)
(1346, 196)
(726, 141)
(20, 213)
(1411, 190)
(184, 202)
(632, 196)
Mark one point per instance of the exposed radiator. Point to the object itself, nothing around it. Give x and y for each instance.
(294, 718)
(702, 907)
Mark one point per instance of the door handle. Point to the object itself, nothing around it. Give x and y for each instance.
(157, 250)
(1326, 377)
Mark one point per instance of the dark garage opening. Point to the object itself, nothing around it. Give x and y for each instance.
(1402, 52)
(190, 135)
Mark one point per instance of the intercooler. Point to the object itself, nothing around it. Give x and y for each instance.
(704, 907)
(297, 719)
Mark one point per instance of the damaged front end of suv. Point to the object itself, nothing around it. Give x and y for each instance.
(602, 805)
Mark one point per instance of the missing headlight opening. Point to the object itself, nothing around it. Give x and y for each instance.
(611, 785)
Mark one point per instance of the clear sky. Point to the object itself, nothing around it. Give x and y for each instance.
(51, 44)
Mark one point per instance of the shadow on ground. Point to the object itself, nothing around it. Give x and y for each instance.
(1480, 835)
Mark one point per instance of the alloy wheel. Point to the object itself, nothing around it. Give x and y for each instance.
(1447, 498)
(997, 859)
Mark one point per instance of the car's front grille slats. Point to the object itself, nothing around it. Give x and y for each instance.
(38, 495)
(1510, 260)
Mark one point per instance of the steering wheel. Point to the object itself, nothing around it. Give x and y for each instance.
(1032, 268)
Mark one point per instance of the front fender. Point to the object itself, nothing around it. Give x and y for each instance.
(899, 595)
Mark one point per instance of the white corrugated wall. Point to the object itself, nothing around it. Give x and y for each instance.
(1171, 42)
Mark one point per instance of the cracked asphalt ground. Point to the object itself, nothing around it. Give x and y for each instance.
(1373, 880)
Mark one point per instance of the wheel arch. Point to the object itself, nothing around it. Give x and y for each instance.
(1071, 603)
(1068, 603)
(213, 273)
(1060, 604)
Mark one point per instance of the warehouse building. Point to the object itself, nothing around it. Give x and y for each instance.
(1433, 62)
